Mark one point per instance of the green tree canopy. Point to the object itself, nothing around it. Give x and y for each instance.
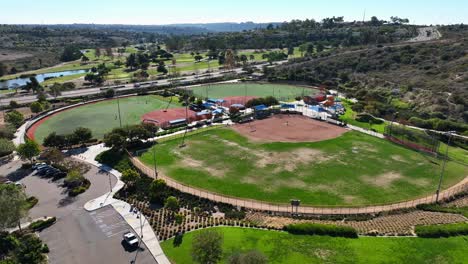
(207, 247)
(13, 205)
(28, 150)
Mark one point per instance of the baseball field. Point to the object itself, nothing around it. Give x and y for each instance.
(280, 91)
(101, 117)
(345, 169)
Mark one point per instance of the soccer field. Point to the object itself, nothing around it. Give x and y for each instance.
(281, 247)
(350, 170)
(101, 117)
(283, 92)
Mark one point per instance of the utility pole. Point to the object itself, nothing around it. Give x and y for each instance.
(443, 165)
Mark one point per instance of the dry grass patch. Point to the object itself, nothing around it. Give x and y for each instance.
(383, 180)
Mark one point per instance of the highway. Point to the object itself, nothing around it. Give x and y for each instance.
(29, 98)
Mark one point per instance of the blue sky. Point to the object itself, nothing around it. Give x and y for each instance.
(205, 11)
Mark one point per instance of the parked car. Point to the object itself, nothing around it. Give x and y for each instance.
(37, 165)
(130, 239)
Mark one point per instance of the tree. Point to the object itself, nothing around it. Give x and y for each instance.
(15, 118)
(230, 61)
(71, 53)
(55, 141)
(171, 203)
(3, 69)
(290, 50)
(14, 104)
(131, 61)
(84, 58)
(82, 134)
(302, 49)
(109, 93)
(130, 176)
(33, 85)
(115, 141)
(6, 147)
(30, 250)
(320, 47)
(97, 53)
(161, 67)
(53, 155)
(13, 205)
(56, 89)
(157, 188)
(207, 247)
(198, 57)
(243, 58)
(36, 107)
(251, 57)
(29, 150)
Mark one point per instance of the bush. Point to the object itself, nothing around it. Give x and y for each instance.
(434, 231)
(438, 208)
(366, 118)
(6, 147)
(32, 201)
(115, 159)
(80, 189)
(14, 118)
(42, 224)
(321, 230)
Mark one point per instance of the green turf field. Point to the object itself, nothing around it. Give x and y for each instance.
(284, 92)
(102, 117)
(353, 169)
(281, 247)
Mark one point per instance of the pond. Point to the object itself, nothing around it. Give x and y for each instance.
(14, 83)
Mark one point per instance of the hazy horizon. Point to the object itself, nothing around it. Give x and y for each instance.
(147, 12)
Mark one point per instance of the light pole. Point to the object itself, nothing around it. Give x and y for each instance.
(443, 165)
(118, 108)
(141, 237)
(154, 161)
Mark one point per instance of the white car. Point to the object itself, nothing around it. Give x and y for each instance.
(131, 239)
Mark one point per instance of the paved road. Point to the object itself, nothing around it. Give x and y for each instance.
(78, 236)
(5, 100)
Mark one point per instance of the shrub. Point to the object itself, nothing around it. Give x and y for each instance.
(6, 147)
(42, 224)
(322, 230)
(32, 201)
(115, 159)
(14, 118)
(434, 231)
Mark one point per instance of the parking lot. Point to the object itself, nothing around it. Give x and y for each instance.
(78, 236)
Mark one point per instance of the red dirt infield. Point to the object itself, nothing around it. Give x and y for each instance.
(162, 117)
(237, 100)
(288, 128)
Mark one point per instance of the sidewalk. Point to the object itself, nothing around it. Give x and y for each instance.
(140, 226)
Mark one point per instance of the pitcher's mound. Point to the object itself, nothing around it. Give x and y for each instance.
(288, 128)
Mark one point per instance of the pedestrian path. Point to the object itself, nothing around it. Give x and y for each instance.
(137, 221)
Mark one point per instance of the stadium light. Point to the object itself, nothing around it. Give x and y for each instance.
(449, 133)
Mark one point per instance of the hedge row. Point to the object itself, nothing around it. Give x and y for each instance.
(321, 230)
(460, 229)
(437, 208)
(42, 224)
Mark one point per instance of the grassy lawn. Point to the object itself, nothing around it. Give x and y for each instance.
(354, 169)
(62, 79)
(281, 247)
(101, 117)
(285, 92)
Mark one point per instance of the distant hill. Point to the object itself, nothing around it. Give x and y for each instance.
(228, 26)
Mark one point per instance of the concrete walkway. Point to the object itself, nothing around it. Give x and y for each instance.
(137, 221)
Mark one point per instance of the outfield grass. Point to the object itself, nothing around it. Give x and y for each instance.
(281, 247)
(354, 169)
(285, 92)
(101, 117)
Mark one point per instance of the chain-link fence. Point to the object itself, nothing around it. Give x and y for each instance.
(450, 193)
